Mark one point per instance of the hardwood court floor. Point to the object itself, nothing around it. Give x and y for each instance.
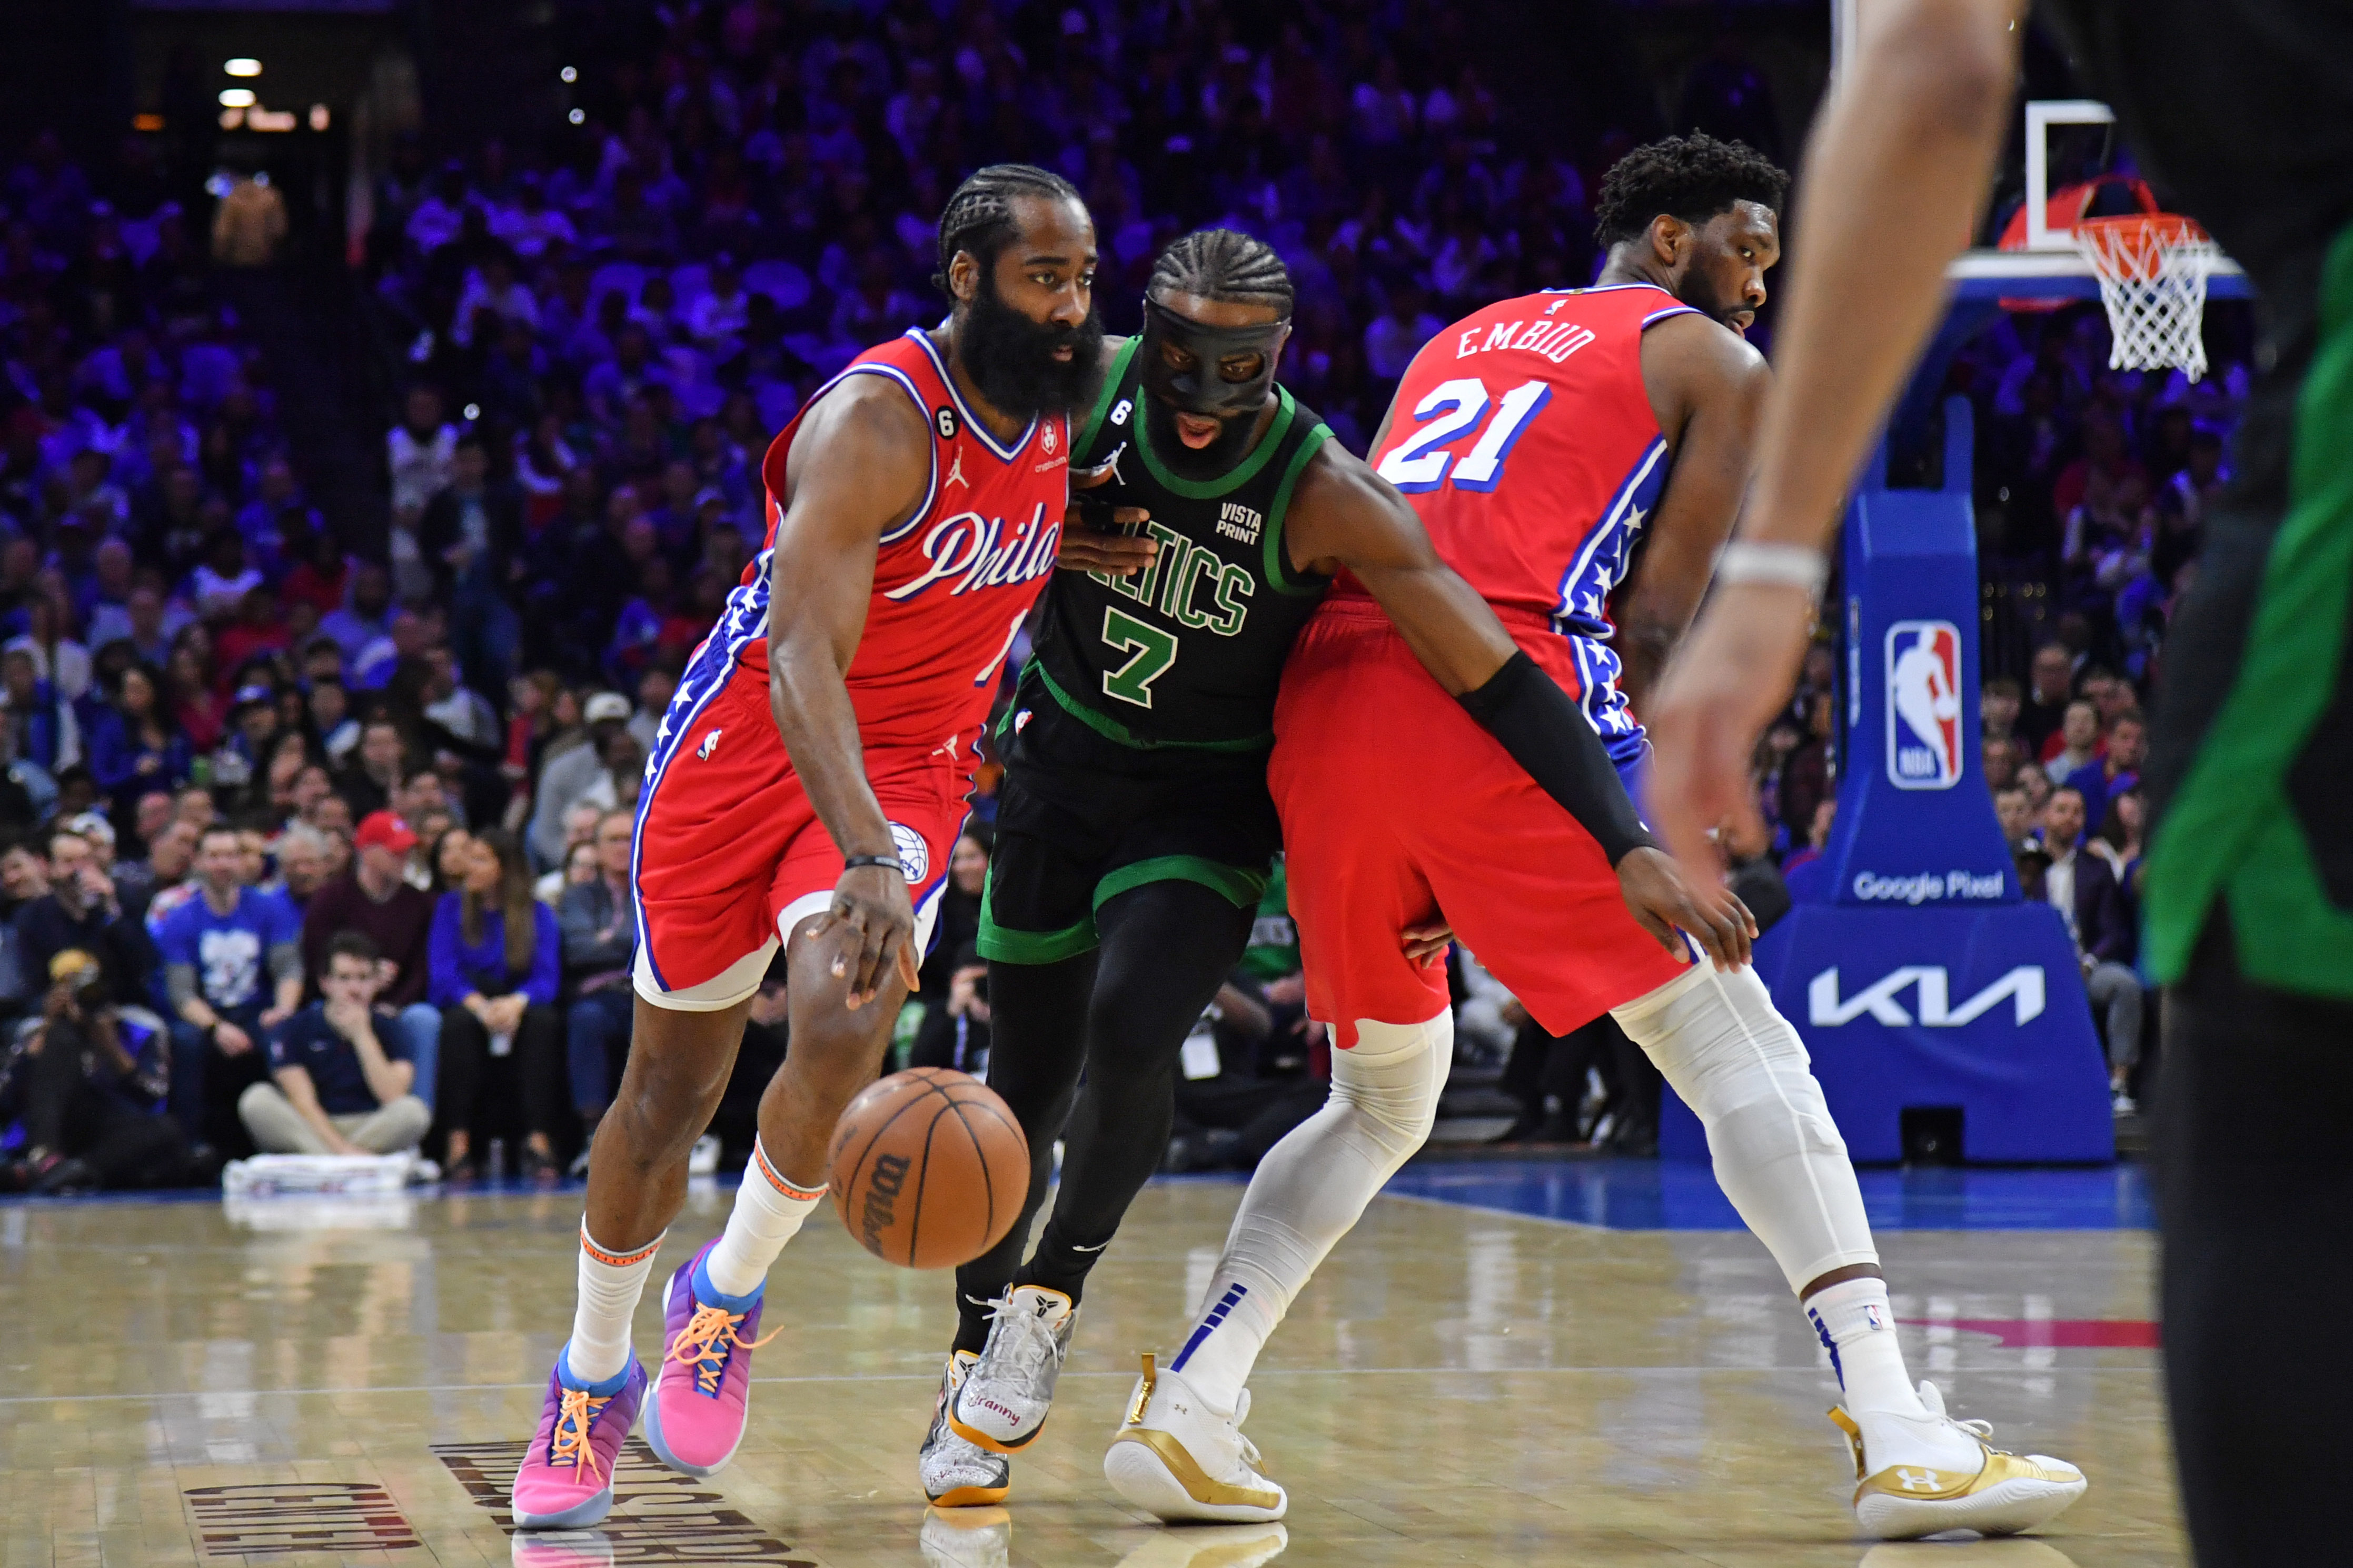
(187, 1384)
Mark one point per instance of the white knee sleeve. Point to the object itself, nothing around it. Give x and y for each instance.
(1740, 1067)
(1314, 1185)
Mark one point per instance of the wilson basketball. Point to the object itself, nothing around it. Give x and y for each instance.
(929, 1168)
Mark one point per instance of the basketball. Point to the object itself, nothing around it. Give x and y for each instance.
(929, 1168)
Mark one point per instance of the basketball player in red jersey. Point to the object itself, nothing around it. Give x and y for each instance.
(1538, 439)
(805, 788)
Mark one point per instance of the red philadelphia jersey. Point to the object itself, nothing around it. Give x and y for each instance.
(954, 582)
(1524, 438)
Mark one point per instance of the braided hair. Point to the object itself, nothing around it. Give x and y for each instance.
(980, 216)
(1223, 264)
(1691, 177)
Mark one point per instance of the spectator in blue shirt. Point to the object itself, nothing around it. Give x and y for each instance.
(134, 746)
(496, 955)
(2109, 775)
(232, 971)
(37, 716)
(341, 1077)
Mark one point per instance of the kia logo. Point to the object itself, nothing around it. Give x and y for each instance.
(2021, 986)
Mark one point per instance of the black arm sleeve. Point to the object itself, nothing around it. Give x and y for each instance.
(1546, 734)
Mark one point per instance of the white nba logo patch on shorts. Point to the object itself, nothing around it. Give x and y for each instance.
(914, 855)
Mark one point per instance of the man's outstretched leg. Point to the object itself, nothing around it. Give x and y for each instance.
(712, 1315)
(1181, 1453)
(1740, 1067)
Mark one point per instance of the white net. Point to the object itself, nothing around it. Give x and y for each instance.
(2152, 275)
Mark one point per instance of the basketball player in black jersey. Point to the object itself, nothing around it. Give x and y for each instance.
(1135, 830)
(2241, 112)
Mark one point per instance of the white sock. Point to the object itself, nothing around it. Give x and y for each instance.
(1222, 1346)
(1858, 1327)
(1854, 1320)
(1309, 1190)
(768, 1211)
(610, 1284)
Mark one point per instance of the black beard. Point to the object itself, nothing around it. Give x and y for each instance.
(1010, 358)
(1701, 295)
(1196, 464)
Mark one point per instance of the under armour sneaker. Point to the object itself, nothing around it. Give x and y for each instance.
(1003, 1403)
(1901, 1502)
(1183, 1460)
(956, 1473)
(694, 1420)
(1211, 1546)
(565, 1480)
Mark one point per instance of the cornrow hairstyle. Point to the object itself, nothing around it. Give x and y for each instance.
(980, 216)
(1691, 177)
(1223, 264)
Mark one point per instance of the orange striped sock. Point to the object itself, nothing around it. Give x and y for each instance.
(768, 1211)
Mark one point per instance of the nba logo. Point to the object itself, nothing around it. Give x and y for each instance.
(1924, 705)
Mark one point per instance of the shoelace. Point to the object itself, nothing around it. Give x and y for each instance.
(706, 1341)
(573, 1415)
(1032, 1347)
(1250, 1449)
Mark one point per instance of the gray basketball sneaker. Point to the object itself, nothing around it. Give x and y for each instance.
(1003, 1403)
(956, 1474)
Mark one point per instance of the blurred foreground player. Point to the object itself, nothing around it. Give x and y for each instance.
(1538, 439)
(2249, 895)
(1134, 829)
(806, 787)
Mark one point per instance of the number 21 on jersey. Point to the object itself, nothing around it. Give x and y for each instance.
(1447, 413)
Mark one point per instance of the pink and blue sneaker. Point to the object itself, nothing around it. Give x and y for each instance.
(565, 1481)
(703, 1393)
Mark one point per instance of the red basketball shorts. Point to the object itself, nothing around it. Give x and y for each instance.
(730, 855)
(1397, 810)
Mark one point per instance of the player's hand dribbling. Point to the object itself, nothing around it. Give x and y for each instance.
(877, 918)
(1663, 902)
(1089, 546)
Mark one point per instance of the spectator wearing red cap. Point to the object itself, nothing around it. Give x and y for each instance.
(376, 899)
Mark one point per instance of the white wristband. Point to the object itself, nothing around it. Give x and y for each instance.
(1776, 566)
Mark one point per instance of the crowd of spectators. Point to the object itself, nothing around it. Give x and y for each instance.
(2063, 757)
(243, 755)
(622, 317)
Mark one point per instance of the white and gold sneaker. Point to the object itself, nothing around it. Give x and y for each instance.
(1211, 1546)
(2007, 1493)
(1182, 1461)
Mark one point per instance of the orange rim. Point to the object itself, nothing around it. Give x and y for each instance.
(2128, 244)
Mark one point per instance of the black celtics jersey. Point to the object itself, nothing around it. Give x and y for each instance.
(1188, 652)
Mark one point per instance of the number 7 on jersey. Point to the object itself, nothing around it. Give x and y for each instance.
(1150, 652)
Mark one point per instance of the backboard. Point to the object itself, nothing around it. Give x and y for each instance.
(2051, 267)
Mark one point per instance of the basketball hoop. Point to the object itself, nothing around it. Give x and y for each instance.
(2152, 268)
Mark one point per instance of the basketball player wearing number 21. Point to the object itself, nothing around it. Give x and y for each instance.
(1538, 439)
(804, 788)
